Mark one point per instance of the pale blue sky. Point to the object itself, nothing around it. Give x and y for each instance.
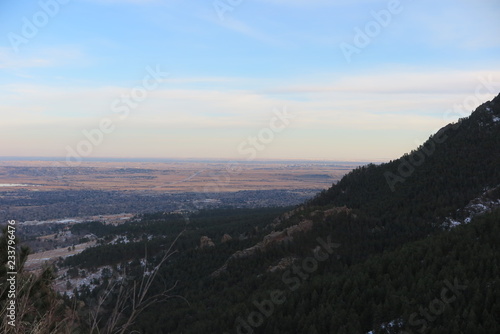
(230, 69)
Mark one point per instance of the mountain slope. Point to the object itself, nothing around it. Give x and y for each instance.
(451, 168)
(372, 210)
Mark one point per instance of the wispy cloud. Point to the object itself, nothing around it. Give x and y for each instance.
(10, 60)
(396, 81)
(46, 57)
(240, 27)
(377, 101)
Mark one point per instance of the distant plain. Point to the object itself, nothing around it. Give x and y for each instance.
(175, 177)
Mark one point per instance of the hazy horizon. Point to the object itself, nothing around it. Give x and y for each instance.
(199, 159)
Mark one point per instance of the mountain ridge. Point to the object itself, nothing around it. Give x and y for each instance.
(487, 114)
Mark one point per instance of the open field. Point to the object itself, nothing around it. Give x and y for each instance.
(41, 190)
(37, 260)
(175, 177)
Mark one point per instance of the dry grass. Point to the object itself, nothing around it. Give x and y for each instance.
(175, 177)
(37, 260)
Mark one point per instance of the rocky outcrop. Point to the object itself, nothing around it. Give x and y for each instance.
(336, 211)
(282, 265)
(286, 216)
(286, 234)
(225, 238)
(206, 242)
(272, 238)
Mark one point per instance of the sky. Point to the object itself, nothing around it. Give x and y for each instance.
(362, 80)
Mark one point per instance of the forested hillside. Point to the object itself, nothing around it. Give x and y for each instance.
(454, 166)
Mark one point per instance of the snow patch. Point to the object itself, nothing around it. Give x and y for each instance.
(13, 185)
(453, 223)
(477, 206)
(120, 239)
(394, 324)
(79, 283)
